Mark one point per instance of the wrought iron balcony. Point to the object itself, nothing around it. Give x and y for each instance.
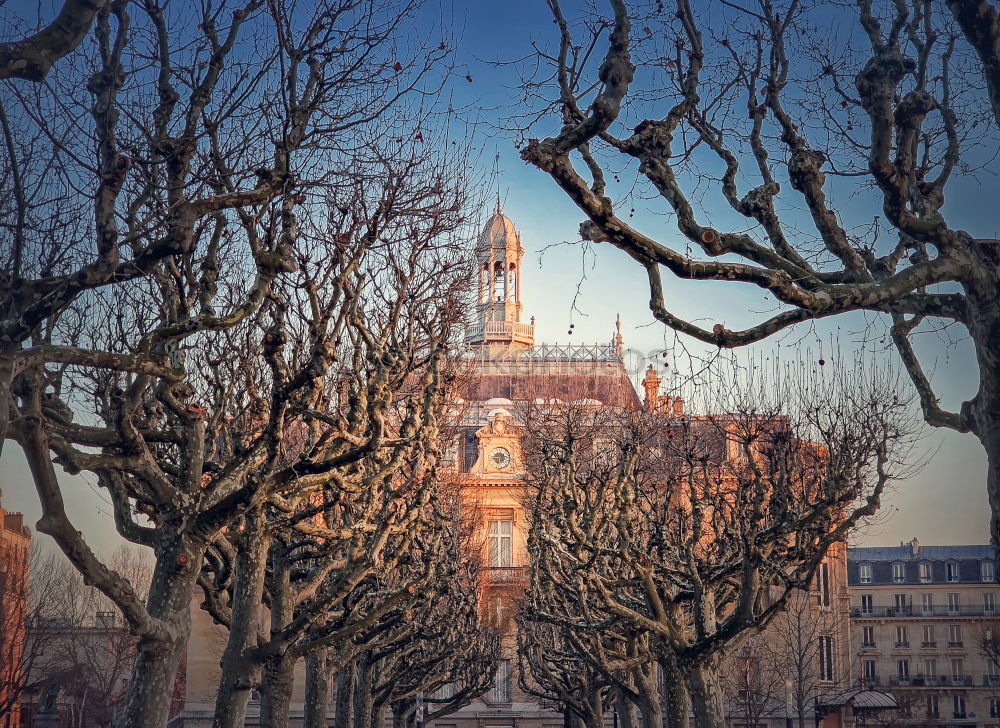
(921, 680)
(965, 611)
(499, 575)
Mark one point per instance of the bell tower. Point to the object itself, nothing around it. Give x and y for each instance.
(497, 324)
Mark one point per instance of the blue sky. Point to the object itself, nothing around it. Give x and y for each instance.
(944, 504)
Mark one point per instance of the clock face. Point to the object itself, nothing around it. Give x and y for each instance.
(500, 458)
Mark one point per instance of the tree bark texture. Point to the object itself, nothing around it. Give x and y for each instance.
(317, 690)
(151, 686)
(705, 693)
(240, 667)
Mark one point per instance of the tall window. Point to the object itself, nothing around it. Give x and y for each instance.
(929, 640)
(986, 571)
(903, 669)
(930, 666)
(992, 671)
(823, 584)
(995, 707)
(954, 635)
(901, 637)
(501, 543)
(989, 603)
(865, 573)
(470, 451)
(925, 572)
(870, 671)
(927, 603)
(501, 683)
(932, 706)
(826, 658)
(898, 573)
(868, 637)
(953, 602)
(902, 602)
(951, 569)
(957, 668)
(959, 703)
(866, 604)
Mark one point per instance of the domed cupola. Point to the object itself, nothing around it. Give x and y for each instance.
(498, 321)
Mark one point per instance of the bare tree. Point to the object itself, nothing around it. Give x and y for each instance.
(32, 57)
(761, 93)
(795, 644)
(96, 645)
(698, 530)
(980, 23)
(193, 377)
(752, 683)
(28, 642)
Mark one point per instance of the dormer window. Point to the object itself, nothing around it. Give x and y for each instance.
(986, 571)
(951, 569)
(926, 574)
(898, 573)
(865, 573)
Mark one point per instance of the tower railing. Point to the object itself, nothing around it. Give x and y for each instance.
(499, 328)
(570, 352)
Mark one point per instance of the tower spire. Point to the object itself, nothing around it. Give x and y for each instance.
(498, 316)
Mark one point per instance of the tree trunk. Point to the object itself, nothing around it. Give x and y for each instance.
(278, 677)
(705, 693)
(626, 711)
(151, 685)
(276, 698)
(363, 697)
(345, 696)
(240, 667)
(984, 328)
(650, 712)
(674, 702)
(317, 690)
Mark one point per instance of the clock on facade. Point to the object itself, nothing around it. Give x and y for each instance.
(500, 458)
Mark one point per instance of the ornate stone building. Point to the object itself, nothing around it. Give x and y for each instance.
(918, 617)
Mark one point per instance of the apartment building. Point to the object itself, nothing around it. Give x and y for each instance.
(919, 615)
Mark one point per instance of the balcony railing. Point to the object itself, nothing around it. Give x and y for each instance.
(868, 645)
(967, 611)
(869, 682)
(956, 643)
(507, 575)
(932, 643)
(499, 328)
(920, 680)
(992, 681)
(902, 643)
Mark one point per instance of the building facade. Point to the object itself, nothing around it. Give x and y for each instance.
(15, 543)
(919, 618)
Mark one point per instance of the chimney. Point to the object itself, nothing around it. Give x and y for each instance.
(14, 522)
(678, 407)
(651, 383)
(915, 547)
